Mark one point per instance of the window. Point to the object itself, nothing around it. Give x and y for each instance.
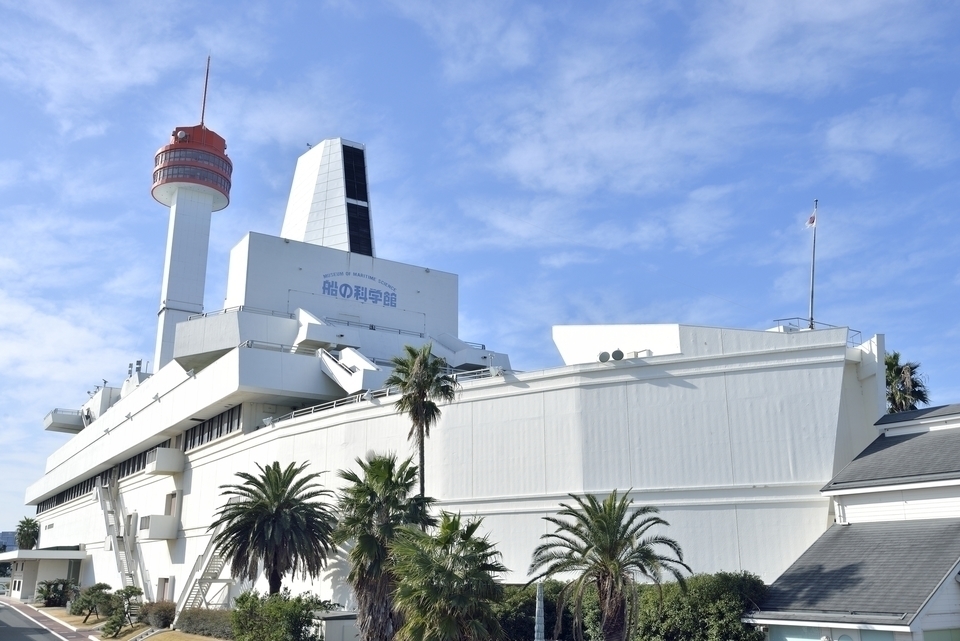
(358, 222)
(354, 174)
(941, 635)
(220, 425)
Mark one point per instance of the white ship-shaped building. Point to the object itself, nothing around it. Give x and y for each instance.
(731, 433)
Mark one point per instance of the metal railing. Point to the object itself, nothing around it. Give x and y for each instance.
(242, 308)
(61, 411)
(796, 324)
(488, 372)
(376, 328)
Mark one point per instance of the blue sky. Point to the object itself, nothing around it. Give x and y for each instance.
(573, 162)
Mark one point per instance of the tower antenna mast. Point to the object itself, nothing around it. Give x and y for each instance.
(206, 81)
(812, 222)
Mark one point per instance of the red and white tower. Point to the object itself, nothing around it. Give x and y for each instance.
(192, 177)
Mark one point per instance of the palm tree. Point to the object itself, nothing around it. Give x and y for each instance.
(607, 546)
(905, 387)
(275, 519)
(422, 381)
(372, 508)
(446, 583)
(28, 533)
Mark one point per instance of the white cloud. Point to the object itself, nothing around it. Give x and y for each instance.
(888, 126)
(806, 47)
(475, 37)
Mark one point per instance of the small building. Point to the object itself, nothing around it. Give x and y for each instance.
(887, 570)
(29, 567)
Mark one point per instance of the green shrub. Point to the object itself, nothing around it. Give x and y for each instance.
(708, 610)
(122, 603)
(206, 623)
(161, 614)
(56, 592)
(278, 617)
(517, 611)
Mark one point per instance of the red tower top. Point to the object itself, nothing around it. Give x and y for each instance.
(195, 158)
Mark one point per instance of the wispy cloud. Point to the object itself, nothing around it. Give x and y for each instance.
(476, 37)
(890, 126)
(807, 47)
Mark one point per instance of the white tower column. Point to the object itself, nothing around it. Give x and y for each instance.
(185, 266)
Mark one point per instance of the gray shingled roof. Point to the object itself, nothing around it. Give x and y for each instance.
(909, 458)
(927, 412)
(866, 573)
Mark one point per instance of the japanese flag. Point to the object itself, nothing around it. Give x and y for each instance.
(812, 221)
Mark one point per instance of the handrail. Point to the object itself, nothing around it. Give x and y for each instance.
(273, 347)
(377, 328)
(383, 392)
(242, 308)
(60, 410)
(854, 337)
(335, 360)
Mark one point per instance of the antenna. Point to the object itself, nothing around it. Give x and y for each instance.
(206, 81)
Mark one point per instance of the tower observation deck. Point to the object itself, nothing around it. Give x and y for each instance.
(191, 176)
(195, 158)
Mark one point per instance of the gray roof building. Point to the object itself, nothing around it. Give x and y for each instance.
(906, 458)
(875, 573)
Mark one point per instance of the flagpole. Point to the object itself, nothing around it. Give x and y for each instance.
(813, 259)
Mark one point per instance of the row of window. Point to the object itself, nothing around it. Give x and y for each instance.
(194, 155)
(83, 487)
(220, 425)
(138, 461)
(196, 173)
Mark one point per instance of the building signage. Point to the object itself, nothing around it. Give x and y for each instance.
(370, 289)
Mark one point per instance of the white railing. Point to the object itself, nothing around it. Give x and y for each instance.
(384, 392)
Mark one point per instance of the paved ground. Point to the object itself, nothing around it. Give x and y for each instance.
(21, 623)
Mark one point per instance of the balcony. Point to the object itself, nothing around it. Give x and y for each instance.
(164, 460)
(61, 420)
(157, 527)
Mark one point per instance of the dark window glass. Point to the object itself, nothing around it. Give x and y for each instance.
(358, 222)
(354, 174)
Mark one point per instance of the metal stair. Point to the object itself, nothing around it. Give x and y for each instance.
(206, 573)
(115, 521)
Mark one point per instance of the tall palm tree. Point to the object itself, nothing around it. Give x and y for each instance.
(275, 519)
(906, 388)
(447, 583)
(422, 381)
(607, 546)
(372, 508)
(28, 533)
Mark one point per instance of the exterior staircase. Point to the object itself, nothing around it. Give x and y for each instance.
(115, 520)
(206, 573)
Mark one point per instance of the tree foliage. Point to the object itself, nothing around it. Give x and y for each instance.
(28, 533)
(906, 387)
(447, 587)
(708, 609)
(606, 545)
(93, 600)
(373, 506)
(121, 615)
(56, 592)
(275, 519)
(277, 617)
(423, 381)
(516, 612)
